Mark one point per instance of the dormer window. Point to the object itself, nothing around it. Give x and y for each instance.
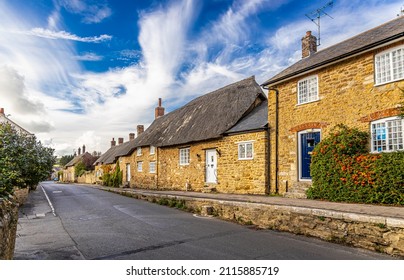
(307, 90)
(389, 66)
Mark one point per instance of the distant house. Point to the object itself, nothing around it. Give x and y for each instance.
(84, 157)
(218, 141)
(4, 119)
(356, 82)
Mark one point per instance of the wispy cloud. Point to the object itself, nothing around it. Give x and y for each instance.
(90, 11)
(89, 56)
(51, 34)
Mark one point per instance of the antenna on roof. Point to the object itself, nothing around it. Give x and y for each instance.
(315, 16)
(401, 12)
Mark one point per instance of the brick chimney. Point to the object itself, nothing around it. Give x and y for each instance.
(113, 143)
(1, 111)
(309, 44)
(79, 151)
(158, 111)
(140, 129)
(131, 136)
(120, 140)
(84, 149)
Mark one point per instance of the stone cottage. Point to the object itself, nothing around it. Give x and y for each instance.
(218, 141)
(83, 156)
(356, 82)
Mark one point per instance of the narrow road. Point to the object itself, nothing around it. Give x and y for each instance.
(87, 223)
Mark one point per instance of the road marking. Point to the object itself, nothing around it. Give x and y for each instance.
(56, 191)
(49, 202)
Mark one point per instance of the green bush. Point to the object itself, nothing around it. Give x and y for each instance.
(343, 170)
(114, 178)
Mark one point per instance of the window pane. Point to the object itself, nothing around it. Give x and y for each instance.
(387, 135)
(398, 63)
(249, 149)
(241, 151)
(307, 90)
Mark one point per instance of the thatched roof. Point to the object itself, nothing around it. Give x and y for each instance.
(86, 158)
(206, 117)
(377, 36)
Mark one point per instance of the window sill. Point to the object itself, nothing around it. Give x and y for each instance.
(301, 104)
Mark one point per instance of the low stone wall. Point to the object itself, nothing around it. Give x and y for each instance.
(374, 233)
(87, 178)
(8, 228)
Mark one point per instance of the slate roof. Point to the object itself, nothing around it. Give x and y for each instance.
(377, 36)
(256, 120)
(206, 117)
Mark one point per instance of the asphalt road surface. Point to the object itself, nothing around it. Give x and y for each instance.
(87, 223)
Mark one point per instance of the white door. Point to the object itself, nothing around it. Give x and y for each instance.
(128, 172)
(211, 166)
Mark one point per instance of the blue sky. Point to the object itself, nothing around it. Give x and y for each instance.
(83, 71)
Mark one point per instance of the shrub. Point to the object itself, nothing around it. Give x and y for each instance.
(343, 170)
(112, 178)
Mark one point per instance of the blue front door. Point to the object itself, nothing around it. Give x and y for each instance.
(307, 143)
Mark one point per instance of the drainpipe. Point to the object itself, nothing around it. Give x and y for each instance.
(276, 137)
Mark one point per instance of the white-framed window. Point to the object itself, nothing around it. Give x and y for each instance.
(389, 66)
(152, 167)
(387, 135)
(140, 166)
(307, 90)
(245, 150)
(184, 156)
(139, 151)
(152, 150)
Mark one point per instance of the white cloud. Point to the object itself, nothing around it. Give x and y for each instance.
(90, 11)
(88, 56)
(51, 34)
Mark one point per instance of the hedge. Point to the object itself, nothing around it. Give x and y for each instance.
(343, 170)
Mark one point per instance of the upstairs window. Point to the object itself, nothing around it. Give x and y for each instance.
(152, 150)
(139, 166)
(307, 90)
(184, 156)
(387, 135)
(139, 151)
(389, 66)
(245, 151)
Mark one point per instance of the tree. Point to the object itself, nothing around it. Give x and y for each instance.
(79, 169)
(65, 159)
(24, 161)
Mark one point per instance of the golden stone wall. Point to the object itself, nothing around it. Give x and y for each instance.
(347, 95)
(233, 175)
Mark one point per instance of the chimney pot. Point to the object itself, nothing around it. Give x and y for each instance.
(158, 111)
(113, 143)
(120, 140)
(2, 111)
(131, 136)
(79, 151)
(309, 44)
(140, 129)
(84, 149)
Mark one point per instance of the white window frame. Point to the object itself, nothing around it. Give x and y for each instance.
(310, 97)
(139, 151)
(152, 170)
(140, 166)
(389, 140)
(184, 156)
(388, 75)
(152, 150)
(243, 155)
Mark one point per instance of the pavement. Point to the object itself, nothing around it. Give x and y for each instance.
(389, 215)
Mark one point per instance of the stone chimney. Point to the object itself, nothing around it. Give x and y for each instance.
(84, 149)
(113, 143)
(309, 44)
(1, 111)
(140, 129)
(158, 111)
(120, 140)
(131, 136)
(79, 151)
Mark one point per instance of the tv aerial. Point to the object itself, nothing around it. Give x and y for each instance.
(316, 15)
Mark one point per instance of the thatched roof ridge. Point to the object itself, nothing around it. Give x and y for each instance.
(206, 117)
(86, 158)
